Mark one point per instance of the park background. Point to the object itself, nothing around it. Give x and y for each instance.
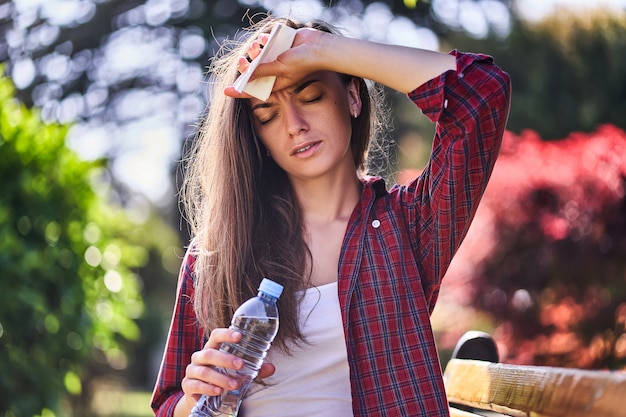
(99, 99)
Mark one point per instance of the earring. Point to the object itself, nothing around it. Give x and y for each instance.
(355, 114)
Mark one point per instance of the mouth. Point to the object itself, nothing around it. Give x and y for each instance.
(305, 148)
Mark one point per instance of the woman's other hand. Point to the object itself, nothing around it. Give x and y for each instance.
(201, 375)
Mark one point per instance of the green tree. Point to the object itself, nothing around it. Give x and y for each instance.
(69, 288)
(567, 71)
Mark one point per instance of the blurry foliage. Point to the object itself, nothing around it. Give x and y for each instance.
(548, 242)
(567, 71)
(70, 292)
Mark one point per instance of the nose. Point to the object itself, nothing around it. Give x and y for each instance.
(294, 119)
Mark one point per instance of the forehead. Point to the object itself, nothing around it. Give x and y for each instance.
(320, 79)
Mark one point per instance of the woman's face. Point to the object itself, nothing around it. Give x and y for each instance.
(307, 127)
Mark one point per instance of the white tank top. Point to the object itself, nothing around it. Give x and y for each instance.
(315, 380)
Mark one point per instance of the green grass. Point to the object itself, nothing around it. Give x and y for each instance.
(121, 403)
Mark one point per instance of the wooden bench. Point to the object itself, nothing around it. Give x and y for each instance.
(537, 391)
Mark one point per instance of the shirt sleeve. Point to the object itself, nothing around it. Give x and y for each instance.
(470, 107)
(184, 338)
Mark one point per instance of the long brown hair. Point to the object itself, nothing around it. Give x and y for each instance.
(244, 218)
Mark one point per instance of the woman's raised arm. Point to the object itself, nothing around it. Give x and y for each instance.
(398, 67)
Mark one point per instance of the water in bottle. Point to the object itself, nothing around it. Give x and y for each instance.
(257, 321)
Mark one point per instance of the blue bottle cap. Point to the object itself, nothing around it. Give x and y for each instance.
(271, 288)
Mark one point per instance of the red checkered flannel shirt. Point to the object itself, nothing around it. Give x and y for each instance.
(398, 246)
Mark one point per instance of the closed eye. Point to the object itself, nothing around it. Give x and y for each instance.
(265, 121)
(264, 112)
(312, 100)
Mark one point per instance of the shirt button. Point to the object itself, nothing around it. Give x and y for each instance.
(376, 224)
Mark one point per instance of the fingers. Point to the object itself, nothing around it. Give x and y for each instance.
(253, 51)
(267, 370)
(231, 92)
(194, 387)
(203, 376)
(256, 47)
(220, 335)
(242, 64)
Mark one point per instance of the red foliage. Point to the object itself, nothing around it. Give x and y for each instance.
(546, 255)
(571, 183)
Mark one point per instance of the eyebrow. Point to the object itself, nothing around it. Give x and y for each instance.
(296, 90)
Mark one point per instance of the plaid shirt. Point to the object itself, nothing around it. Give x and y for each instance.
(398, 246)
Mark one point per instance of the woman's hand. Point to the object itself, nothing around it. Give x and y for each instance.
(289, 67)
(398, 67)
(202, 377)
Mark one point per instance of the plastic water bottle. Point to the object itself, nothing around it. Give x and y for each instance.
(257, 321)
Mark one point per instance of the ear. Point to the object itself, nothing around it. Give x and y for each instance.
(354, 97)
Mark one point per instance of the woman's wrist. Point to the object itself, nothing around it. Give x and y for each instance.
(184, 406)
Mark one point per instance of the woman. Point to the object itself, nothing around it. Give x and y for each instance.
(277, 189)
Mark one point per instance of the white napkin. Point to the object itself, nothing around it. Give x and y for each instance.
(280, 39)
